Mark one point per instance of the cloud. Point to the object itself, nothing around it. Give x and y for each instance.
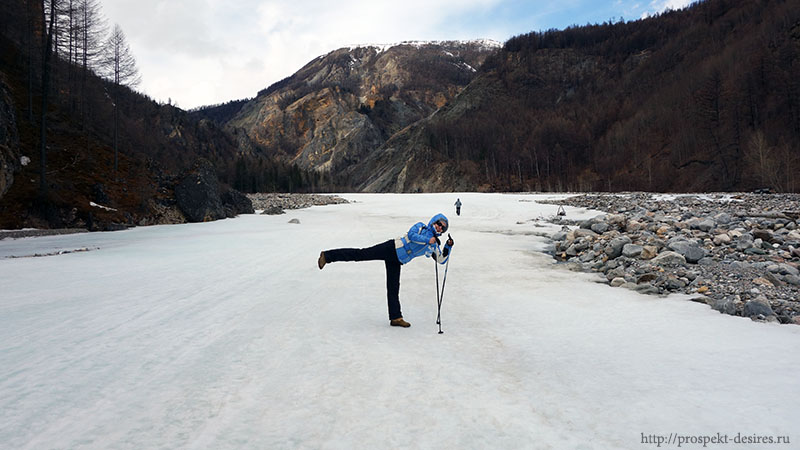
(200, 52)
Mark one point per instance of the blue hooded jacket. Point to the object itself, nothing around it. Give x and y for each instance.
(415, 242)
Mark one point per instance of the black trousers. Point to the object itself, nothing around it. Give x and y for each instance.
(381, 252)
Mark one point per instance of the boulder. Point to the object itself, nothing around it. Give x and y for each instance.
(198, 194)
(236, 203)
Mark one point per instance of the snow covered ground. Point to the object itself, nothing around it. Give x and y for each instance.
(225, 335)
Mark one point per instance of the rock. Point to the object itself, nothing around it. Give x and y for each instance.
(744, 242)
(561, 234)
(794, 280)
(649, 252)
(581, 233)
(755, 251)
(772, 278)
(669, 258)
(631, 250)
(633, 226)
(600, 227)
(760, 306)
(725, 306)
(723, 218)
(646, 289)
(618, 272)
(689, 250)
(786, 269)
(198, 194)
(617, 282)
(236, 203)
(616, 220)
(702, 224)
(673, 284)
(646, 278)
(763, 282)
(614, 248)
(295, 221)
(722, 239)
(274, 211)
(764, 235)
(587, 224)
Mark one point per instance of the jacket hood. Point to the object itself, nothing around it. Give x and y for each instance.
(434, 219)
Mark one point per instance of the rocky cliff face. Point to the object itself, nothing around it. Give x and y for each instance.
(335, 112)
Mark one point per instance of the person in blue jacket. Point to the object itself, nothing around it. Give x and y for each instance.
(420, 240)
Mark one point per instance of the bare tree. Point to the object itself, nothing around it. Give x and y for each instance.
(764, 159)
(92, 28)
(119, 67)
(47, 47)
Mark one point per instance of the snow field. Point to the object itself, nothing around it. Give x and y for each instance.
(226, 335)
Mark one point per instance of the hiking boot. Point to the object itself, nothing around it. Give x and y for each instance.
(399, 322)
(321, 261)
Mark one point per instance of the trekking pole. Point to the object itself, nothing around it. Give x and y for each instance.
(438, 302)
(440, 295)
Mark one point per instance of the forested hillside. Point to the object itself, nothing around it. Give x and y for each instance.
(74, 131)
(706, 98)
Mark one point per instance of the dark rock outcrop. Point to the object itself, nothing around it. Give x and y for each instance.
(236, 203)
(198, 194)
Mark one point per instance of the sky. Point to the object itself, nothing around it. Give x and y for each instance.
(226, 335)
(201, 52)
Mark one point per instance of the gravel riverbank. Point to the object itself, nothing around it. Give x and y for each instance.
(272, 203)
(738, 253)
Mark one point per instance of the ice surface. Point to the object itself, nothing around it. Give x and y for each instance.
(226, 335)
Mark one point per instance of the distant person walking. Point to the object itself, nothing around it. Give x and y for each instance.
(458, 206)
(420, 240)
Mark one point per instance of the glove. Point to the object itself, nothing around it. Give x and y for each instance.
(449, 240)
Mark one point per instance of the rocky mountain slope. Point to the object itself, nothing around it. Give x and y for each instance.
(343, 106)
